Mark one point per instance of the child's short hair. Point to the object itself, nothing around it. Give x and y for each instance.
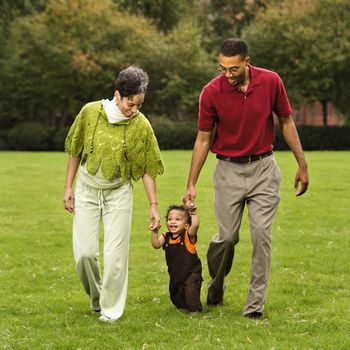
(180, 208)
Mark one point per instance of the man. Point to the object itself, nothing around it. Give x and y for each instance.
(236, 122)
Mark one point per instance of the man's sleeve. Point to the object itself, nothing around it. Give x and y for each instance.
(207, 112)
(282, 107)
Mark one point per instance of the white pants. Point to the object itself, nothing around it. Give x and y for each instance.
(114, 208)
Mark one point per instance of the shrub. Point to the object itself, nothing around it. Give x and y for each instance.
(3, 142)
(33, 136)
(175, 135)
(318, 138)
(29, 136)
(59, 138)
(180, 135)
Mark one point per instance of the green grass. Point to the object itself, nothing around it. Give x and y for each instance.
(43, 305)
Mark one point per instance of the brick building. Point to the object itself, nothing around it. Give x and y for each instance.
(311, 114)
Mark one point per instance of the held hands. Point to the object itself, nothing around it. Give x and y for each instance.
(68, 200)
(191, 207)
(189, 197)
(189, 200)
(301, 176)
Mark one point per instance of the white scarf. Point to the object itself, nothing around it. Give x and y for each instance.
(114, 115)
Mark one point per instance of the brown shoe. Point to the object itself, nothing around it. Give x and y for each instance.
(255, 315)
(210, 302)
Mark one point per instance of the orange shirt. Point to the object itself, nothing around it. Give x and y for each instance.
(189, 243)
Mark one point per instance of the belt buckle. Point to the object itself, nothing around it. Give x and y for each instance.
(249, 159)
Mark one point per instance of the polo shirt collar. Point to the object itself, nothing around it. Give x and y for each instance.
(255, 78)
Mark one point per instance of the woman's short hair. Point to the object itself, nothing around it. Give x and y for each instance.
(132, 81)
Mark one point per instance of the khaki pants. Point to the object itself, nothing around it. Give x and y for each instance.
(257, 185)
(114, 208)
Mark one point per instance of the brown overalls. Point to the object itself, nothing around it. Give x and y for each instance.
(185, 271)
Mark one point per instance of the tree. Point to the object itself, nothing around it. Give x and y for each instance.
(179, 69)
(71, 52)
(165, 14)
(229, 17)
(65, 55)
(9, 10)
(308, 44)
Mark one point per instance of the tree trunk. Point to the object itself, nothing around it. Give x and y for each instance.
(324, 104)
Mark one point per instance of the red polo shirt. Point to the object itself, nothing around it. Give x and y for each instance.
(244, 121)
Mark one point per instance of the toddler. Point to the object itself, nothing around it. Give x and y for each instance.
(184, 266)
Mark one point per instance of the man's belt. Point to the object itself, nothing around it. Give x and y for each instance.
(244, 159)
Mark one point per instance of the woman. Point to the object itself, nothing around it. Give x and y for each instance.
(111, 143)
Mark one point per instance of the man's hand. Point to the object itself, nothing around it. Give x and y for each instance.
(301, 177)
(189, 197)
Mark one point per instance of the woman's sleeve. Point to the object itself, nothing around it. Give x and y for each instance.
(154, 164)
(74, 143)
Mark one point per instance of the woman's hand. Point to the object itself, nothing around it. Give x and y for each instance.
(150, 187)
(154, 219)
(68, 200)
(68, 197)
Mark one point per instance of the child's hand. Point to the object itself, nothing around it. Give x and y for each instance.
(155, 229)
(191, 207)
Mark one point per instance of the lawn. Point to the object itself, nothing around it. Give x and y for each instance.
(43, 305)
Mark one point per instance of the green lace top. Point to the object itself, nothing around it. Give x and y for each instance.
(127, 149)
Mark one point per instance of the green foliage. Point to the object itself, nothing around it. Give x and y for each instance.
(3, 143)
(165, 14)
(307, 43)
(57, 55)
(330, 138)
(13, 8)
(10, 9)
(180, 73)
(68, 54)
(231, 16)
(171, 135)
(31, 136)
(318, 138)
(59, 139)
(43, 304)
(174, 135)
(71, 52)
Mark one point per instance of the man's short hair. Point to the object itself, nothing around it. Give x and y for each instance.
(233, 47)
